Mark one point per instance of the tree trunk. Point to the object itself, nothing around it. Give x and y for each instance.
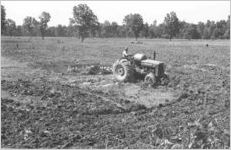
(42, 35)
(82, 38)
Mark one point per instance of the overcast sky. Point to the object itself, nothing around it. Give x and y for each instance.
(61, 11)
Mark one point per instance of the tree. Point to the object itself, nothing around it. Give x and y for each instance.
(152, 31)
(84, 18)
(134, 22)
(209, 29)
(228, 23)
(51, 31)
(200, 28)
(122, 31)
(3, 19)
(95, 29)
(44, 19)
(60, 31)
(227, 31)
(206, 34)
(155, 31)
(227, 34)
(183, 26)
(29, 25)
(72, 30)
(114, 29)
(215, 33)
(10, 27)
(171, 24)
(18, 31)
(191, 32)
(106, 29)
(145, 30)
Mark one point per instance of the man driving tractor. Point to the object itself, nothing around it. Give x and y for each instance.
(125, 52)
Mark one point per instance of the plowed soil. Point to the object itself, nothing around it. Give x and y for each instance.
(44, 106)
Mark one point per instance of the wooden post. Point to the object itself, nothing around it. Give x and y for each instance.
(101, 58)
(154, 55)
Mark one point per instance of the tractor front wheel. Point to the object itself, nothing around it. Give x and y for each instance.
(150, 79)
(165, 80)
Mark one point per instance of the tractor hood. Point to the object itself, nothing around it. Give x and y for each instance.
(139, 57)
(151, 63)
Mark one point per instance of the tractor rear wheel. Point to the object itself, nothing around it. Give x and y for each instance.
(150, 79)
(123, 71)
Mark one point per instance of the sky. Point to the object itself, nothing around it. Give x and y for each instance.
(61, 11)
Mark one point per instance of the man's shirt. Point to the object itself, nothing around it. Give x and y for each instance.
(124, 54)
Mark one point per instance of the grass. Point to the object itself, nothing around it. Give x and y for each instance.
(94, 50)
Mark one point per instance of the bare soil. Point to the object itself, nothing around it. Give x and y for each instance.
(44, 106)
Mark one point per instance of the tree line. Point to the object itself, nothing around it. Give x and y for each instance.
(85, 24)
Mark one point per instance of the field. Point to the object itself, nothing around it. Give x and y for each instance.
(43, 105)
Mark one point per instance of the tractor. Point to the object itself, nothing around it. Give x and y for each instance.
(128, 69)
